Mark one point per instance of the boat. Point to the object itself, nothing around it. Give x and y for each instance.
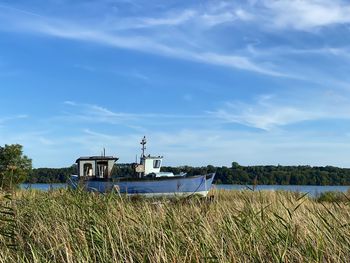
(95, 175)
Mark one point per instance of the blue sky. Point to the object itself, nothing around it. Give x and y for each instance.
(208, 82)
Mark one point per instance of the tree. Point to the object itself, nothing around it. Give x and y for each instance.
(235, 165)
(14, 166)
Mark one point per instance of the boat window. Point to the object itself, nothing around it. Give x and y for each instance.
(87, 169)
(102, 169)
(156, 163)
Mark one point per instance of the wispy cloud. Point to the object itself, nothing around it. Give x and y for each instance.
(340, 52)
(224, 17)
(79, 112)
(28, 22)
(183, 146)
(175, 33)
(307, 15)
(188, 145)
(98, 114)
(134, 73)
(269, 112)
(204, 16)
(69, 102)
(12, 118)
(169, 20)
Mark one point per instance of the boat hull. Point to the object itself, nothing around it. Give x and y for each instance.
(170, 186)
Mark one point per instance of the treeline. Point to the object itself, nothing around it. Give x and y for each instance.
(283, 175)
(236, 174)
(50, 175)
(270, 174)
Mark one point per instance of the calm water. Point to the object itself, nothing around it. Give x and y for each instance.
(312, 190)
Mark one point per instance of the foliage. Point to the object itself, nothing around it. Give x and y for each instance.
(51, 175)
(14, 166)
(269, 174)
(238, 226)
(123, 170)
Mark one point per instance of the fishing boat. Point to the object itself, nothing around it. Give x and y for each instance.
(95, 174)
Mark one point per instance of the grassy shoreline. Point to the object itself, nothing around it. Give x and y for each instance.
(238, 226)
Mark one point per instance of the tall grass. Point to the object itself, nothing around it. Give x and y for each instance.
(238, 226)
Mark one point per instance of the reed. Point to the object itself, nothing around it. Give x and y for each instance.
(238, 226)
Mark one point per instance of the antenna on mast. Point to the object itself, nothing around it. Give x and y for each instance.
(143, 143)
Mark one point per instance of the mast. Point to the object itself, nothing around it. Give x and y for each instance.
(143, 143)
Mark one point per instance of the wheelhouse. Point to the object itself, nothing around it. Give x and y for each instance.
(96, 166)
(149, 165)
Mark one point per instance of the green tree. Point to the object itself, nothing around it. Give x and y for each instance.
(14, 166)
(235, 165)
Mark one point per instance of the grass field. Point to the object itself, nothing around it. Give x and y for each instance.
(237, 226)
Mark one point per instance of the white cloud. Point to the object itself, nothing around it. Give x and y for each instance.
(224, 16)
(244, 15)
(201, 17)
(80, 112)
(90, 113)
(140, 42)
(148, 45)
(170, 20)
(69, 102)
(269, 112)
(236, 62)
(307, 15)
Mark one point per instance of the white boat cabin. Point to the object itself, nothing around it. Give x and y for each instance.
(96, 166)
(150, 165)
